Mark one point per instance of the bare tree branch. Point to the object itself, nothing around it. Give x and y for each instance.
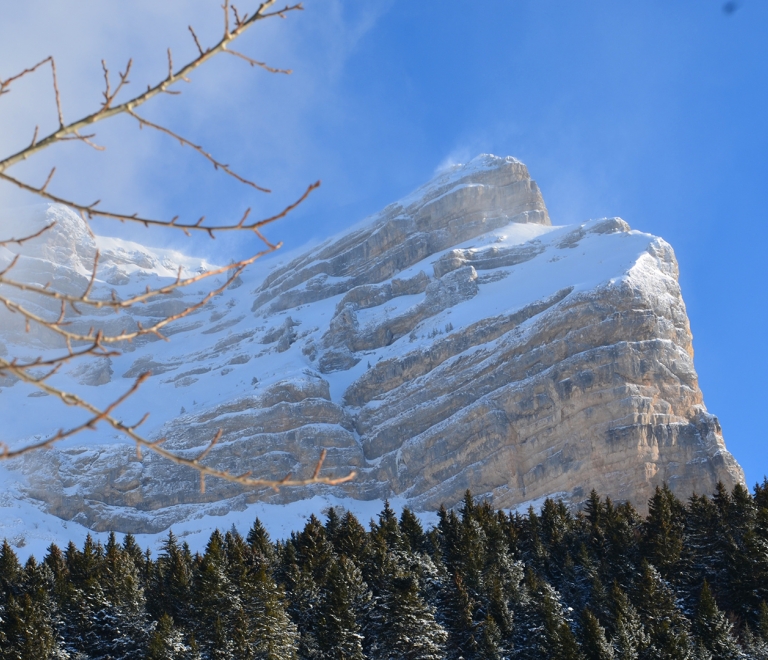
(91, 211)
(159, 88)
(184, 142)
(105, 415)
(24, 239)
(96, 343)
(99, 338)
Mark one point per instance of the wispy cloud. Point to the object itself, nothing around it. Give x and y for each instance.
(263, 125)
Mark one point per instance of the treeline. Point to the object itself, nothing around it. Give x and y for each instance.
(690, 581)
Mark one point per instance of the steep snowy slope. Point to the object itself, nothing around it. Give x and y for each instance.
(455, 340)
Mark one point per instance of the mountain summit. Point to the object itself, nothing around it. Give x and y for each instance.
(454, 340)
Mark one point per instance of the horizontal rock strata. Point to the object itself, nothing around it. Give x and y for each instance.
(457, 340)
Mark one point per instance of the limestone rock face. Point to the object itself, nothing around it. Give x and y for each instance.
(456, 340)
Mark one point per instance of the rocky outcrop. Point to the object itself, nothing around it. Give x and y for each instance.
(456, 340)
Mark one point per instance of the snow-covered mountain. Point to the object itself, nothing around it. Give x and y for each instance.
(455, 340)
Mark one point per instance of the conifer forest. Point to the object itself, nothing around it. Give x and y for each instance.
(688, 581)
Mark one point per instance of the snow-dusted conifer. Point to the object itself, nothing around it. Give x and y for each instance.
(594, 643)
(344, 603)
(630, 639)
(402, 626)
(713, 630)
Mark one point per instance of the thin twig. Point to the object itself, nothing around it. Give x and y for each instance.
(139, 298)
(59, 327)
(184, 142)
(38, 371)
(90, 211)
(4, 84)
(152, 91)
(197, 43)
(253, 62)
(21, 241)
(99, 415)
(58, 96)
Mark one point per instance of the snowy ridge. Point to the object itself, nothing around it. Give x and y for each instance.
(457, 339)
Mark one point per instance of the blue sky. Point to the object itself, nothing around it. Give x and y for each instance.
(653, 110)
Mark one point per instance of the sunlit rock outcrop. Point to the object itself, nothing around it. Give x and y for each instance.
(455, 340)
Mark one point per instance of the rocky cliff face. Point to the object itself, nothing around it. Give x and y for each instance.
(456, 340)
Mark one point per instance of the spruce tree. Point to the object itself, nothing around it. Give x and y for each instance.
(412, 531)
(713, 629)
(542, 627)
(622, 552)
(594, 643)
(171, 588)
(344, 604)
(558, 641)
(259, 542)
(273, 635)
(458, 612)
(351, 539)
(491, 642)
(387, 530)
(26, 630)
(662, 541)
(166, 642)
(121, 623)
(755, 647)
(402, 626)
(666, 624)
(313, 549)
(304, 600)
(214, 601)
(762, 621)
(10, 572)
(139, 558)
(630, 639)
